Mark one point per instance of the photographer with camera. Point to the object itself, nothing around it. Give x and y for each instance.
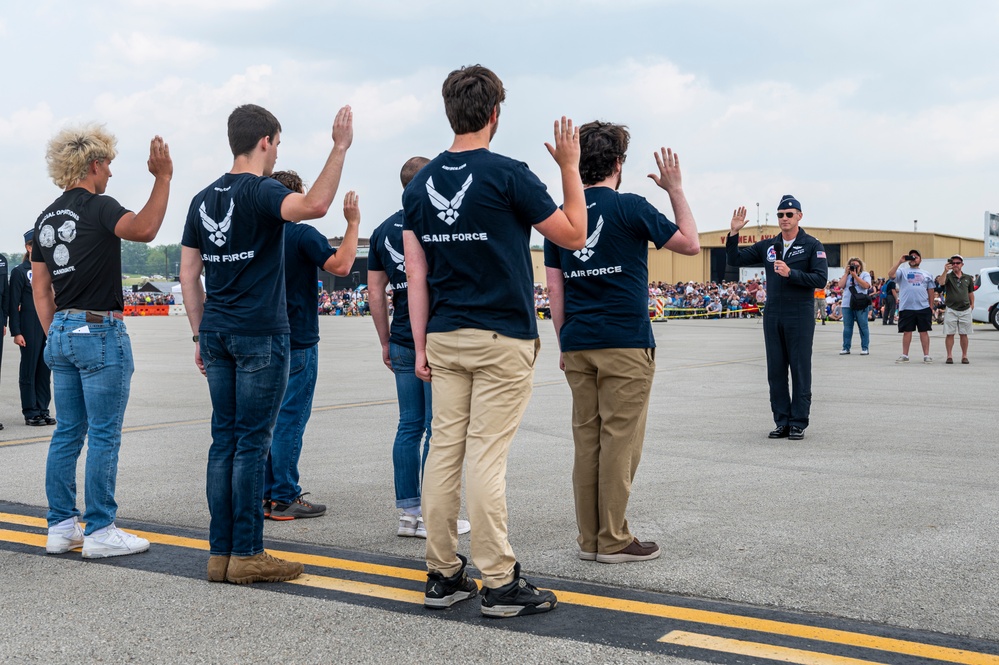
(915, 303)
(960, 300)
(855, 283)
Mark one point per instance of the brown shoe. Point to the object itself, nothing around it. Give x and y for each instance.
(261, 568)
(217, 565)
(636, 551)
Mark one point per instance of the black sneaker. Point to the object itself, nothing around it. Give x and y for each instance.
(517, 598)
(267, 509)
(297, 509)
(796, 433)
(779, 432)
(443, 592)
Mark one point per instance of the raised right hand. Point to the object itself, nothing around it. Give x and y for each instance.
(160, 164)
(738, 219)
(343, 128)
(566, 148)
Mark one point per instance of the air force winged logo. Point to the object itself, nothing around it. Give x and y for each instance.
(448, 209)
(586, 253)
(398, 257)
(217, 230)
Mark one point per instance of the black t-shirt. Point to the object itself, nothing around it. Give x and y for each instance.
(606, 282)
(75, 238)
(386, 255)
(236, 224)
(305, 250)
(473, 212)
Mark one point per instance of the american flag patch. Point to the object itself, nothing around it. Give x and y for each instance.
(820, 255)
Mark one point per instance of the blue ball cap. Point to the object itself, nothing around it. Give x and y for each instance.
(787, 201)
(29, 235)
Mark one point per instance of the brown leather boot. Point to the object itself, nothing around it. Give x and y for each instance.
(217, 565)
(261, 568)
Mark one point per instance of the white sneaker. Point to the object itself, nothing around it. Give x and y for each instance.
(865, 352)
(407, 525)
(902, 359)
(927, 360)
(844, 352)
(464, 526)
(112, 541)
(64, 536)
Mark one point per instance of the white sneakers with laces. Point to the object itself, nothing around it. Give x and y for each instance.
(64, 536)
(112, 541)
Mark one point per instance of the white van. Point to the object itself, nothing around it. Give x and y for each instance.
(987, 296)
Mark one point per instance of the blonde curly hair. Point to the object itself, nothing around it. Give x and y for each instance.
(71, 151)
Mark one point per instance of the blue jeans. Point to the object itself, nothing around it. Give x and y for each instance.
(91, 374)
(246, 379)
(281, 483)
(414, 419)
(860, 316)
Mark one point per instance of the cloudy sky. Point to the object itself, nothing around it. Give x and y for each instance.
(871, 113)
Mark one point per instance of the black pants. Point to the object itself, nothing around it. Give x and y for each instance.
(34, 379)
(888, 317)
(788, 332)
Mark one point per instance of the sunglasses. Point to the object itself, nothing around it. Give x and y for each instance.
(956, 263)
(789, 215)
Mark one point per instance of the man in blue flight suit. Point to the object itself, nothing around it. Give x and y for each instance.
(34, 377)
(795, 265)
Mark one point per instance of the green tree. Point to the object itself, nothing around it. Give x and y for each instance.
(163, 260)
(134, 256)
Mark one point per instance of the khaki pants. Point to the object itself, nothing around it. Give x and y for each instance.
(481, 384)
(610, 404)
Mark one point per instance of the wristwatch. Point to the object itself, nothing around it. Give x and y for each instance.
(195, 338)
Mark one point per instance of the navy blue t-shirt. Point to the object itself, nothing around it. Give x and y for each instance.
(236, 224)
(473, 212)
(606, 282)
(386, 255)
(305, 250)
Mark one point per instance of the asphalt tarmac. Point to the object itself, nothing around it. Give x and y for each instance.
(883, 514)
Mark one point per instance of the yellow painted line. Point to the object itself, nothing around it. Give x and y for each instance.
(360, 588)
(17, 442)
(757, 649)
(23, 520)
(198, 544)
(834, 636)
(689, 615)
(36, 539)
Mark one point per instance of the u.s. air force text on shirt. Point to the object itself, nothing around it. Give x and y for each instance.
(472, 213)
(606, 282)
(235, 224)
(386, 255)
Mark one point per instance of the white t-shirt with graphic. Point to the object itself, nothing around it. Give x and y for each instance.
(912, 287)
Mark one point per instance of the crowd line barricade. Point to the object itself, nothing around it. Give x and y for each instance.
(178, 310)
(147, 310)
(667, 313)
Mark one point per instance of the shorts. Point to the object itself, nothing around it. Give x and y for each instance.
(957, 322)
(915, 319)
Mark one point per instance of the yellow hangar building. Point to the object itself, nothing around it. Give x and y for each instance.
(878, 249)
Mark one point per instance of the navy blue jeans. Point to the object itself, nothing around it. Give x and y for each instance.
(849, 316)
(246, 379)
(92, 372)
(281, 483)
(414, 419)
